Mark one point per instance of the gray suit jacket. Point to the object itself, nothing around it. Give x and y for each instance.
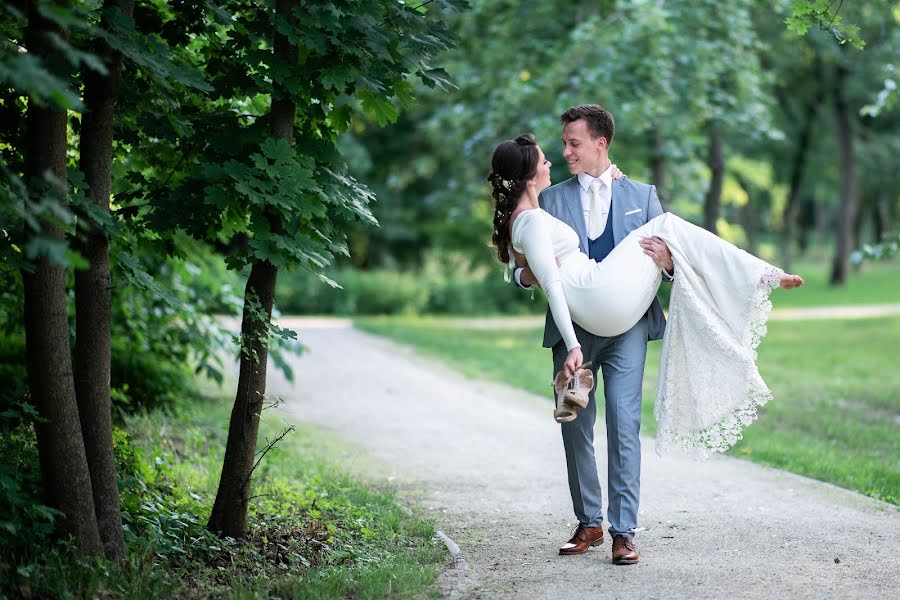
(633, 205)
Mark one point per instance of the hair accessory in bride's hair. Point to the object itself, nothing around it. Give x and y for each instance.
(514, 162)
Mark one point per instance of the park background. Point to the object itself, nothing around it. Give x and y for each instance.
(349, 158)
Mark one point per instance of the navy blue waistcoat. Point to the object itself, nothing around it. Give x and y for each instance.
(599, 249)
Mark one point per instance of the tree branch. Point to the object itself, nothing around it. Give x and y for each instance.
(263, 452)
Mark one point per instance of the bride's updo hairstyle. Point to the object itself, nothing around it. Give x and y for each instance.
(514, 163)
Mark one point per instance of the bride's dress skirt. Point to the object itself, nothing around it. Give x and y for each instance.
(709, 386)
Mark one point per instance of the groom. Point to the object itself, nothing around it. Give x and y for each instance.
(603, 210)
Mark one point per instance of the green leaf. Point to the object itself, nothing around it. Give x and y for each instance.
(77, 57)
(381, 109)
(27, 74)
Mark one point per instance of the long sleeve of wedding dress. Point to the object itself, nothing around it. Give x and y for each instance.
(533, 237)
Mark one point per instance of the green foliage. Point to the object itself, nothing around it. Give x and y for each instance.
(163, 317)
(163, 325)
(886, 98)
(446, 283)
(12, 369)
(25, 521)
(314, 533)
(264, 199)
(806, 13)
(660, 67)
(42, 79)
(887, 249)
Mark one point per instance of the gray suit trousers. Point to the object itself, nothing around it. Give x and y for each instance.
(621, 359)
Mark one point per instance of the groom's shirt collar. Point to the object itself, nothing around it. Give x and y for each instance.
(585, 180)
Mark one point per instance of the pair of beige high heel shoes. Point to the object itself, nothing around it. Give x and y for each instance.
(572, 393)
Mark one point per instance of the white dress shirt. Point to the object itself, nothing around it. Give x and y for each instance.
(587, 197)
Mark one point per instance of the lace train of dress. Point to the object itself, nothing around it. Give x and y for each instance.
(709, 386)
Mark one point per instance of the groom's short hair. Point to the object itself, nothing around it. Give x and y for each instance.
(599, 120)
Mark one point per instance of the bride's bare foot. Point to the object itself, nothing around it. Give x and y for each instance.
(789, 282)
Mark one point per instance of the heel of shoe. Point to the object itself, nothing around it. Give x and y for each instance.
(579, 387)
(563, 412)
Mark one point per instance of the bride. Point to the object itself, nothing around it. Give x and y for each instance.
(709, 385)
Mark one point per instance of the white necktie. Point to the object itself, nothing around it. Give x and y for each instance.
(597, 217)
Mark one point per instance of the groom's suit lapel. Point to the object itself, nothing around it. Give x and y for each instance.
(617, 201)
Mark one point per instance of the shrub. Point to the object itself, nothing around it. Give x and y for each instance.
(446, 283)
(25, 521)
(13, 372)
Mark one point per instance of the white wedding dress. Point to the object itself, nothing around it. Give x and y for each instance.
(709, 386)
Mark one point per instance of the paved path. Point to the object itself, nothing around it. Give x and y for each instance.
(488, 461)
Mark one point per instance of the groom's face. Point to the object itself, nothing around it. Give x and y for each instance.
(583, 153)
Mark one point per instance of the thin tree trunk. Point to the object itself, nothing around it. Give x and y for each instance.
(64, 465)
(806, 224)
(849, 205)
(713, 200)
(229, 514)
(865, 207)
(748, 214)
(882, 215)
(824, 221)
(659, 175)
(798, 166)
(92, 296)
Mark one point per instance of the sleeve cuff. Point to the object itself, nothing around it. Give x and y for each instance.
(669, 276)
(517, 277)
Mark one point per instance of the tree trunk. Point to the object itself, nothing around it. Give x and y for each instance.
(64, 465)
(808, 213)
(748, 214)
(92, 296)
(713, 200)
(798, 166)
(229, 514)
(658, 165)
(824, 220)
(882, 215)
(849, 201)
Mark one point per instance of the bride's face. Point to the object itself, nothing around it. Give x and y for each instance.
(542, 174)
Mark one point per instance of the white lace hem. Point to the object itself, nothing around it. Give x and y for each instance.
(727, 430)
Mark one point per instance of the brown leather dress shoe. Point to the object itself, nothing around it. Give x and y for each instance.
(582, 539)
(624, 552)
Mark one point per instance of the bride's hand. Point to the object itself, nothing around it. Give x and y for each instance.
(616, 173)
(527, 278)
(573, 361)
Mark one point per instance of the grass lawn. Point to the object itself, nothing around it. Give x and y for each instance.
(873, 283)
(315, 531)
(836, 412)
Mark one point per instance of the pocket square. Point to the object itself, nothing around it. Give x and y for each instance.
(631, 212)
